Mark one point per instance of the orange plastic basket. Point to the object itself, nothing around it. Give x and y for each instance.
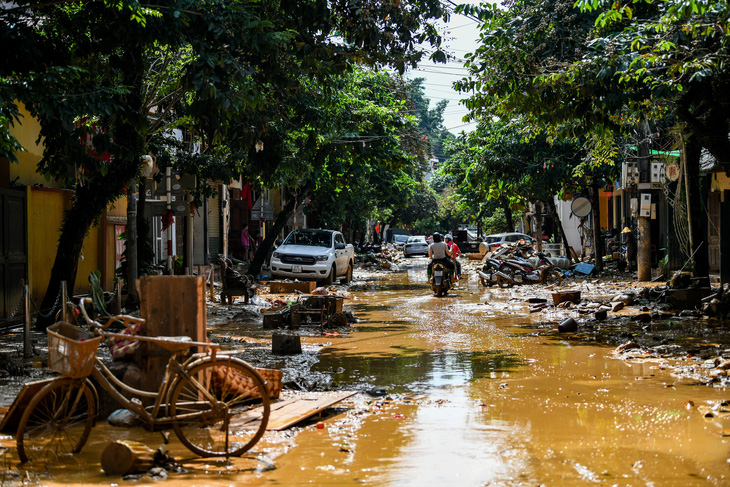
(71, 350)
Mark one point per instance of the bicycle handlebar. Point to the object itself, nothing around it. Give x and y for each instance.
(169, 343)
(95, 325)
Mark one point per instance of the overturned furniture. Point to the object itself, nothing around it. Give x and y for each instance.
(315, 309)
(319, 310)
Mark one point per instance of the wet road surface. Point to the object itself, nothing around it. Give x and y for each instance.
(475, 393)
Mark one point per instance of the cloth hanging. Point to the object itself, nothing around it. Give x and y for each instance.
(246, 196)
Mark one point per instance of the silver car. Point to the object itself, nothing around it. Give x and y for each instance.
(415, 246)
(399, 241)
(497, 239)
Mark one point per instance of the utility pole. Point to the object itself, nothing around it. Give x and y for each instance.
(132, 274)
(643, 256)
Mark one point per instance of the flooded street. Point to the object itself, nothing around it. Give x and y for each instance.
(469, 390)
(497, 401)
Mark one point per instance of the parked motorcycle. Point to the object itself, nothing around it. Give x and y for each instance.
(514, 271)
(488, 275)
(440, 279)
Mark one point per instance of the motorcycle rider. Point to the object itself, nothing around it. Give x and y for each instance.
(438, 251)
(455, 252)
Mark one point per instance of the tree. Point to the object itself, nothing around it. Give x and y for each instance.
(610, 59)
(87, 63)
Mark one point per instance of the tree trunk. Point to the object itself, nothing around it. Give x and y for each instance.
(94, 197)
(554, 212)
(538, 220)
(696, 196)
(132, 302)
(271, 236)
(125, 457)
(596, 224)
(508, 219)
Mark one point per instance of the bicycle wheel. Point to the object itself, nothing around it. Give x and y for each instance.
(57, 421)
(212, 405)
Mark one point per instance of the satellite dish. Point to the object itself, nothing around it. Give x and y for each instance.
(581, 207)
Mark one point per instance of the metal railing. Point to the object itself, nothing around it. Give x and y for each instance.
(26, 302)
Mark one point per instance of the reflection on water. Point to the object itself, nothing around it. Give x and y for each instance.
(480, 392)
(409, 370)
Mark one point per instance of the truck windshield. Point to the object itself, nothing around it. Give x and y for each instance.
(313, 238)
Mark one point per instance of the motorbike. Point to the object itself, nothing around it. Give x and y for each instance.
(514, 271)
(488, 275)
(440, 279)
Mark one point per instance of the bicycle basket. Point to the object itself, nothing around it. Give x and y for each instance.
(71, 350)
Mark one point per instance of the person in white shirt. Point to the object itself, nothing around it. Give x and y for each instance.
(438, 251)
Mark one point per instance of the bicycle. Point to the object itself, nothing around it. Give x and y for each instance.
(207, 398)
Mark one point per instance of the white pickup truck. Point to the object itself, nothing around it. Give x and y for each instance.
(310, 254)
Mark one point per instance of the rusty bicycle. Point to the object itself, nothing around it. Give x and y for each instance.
(209, 398)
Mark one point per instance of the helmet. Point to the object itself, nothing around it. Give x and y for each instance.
(448, 235)
(436, 237)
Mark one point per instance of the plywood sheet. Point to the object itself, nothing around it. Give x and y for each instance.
(9, 423)
(289, 412)
(293, 409)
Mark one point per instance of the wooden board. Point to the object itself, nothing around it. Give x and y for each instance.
(171, 306)
(289, 412)
(293, 409)
(9, 423)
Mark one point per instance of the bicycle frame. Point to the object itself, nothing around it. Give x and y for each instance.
(150, 418)
(173, 369)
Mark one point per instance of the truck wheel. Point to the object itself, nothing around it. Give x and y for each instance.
(327, 281)
(348, 275)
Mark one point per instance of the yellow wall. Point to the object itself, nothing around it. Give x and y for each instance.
(45, 214)
(720, 182)
(26, 132)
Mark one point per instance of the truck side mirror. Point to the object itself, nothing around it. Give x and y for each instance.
(339, 246)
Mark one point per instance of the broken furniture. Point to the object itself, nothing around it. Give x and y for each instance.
(315, 309)
(233, 284)
(312, 309)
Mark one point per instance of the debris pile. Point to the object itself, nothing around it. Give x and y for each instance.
(713, 370)
(387, 259)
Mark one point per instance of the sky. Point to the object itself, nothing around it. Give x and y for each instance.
(461, 36)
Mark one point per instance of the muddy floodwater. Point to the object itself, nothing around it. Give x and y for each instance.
(469, 390)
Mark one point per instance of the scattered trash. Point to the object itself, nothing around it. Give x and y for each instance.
(568, 325)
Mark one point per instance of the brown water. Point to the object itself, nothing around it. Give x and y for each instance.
(477, 394)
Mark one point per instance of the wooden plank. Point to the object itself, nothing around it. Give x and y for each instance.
(171, 306)
(9, 423)
(291, 411)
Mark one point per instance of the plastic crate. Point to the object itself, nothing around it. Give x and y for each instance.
(71, 350)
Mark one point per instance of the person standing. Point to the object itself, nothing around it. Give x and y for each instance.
(245, 242)
(455, 252)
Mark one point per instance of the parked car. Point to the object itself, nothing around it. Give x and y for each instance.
(399, 241)
(415, 246)
(310, 254)
(497, 239)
